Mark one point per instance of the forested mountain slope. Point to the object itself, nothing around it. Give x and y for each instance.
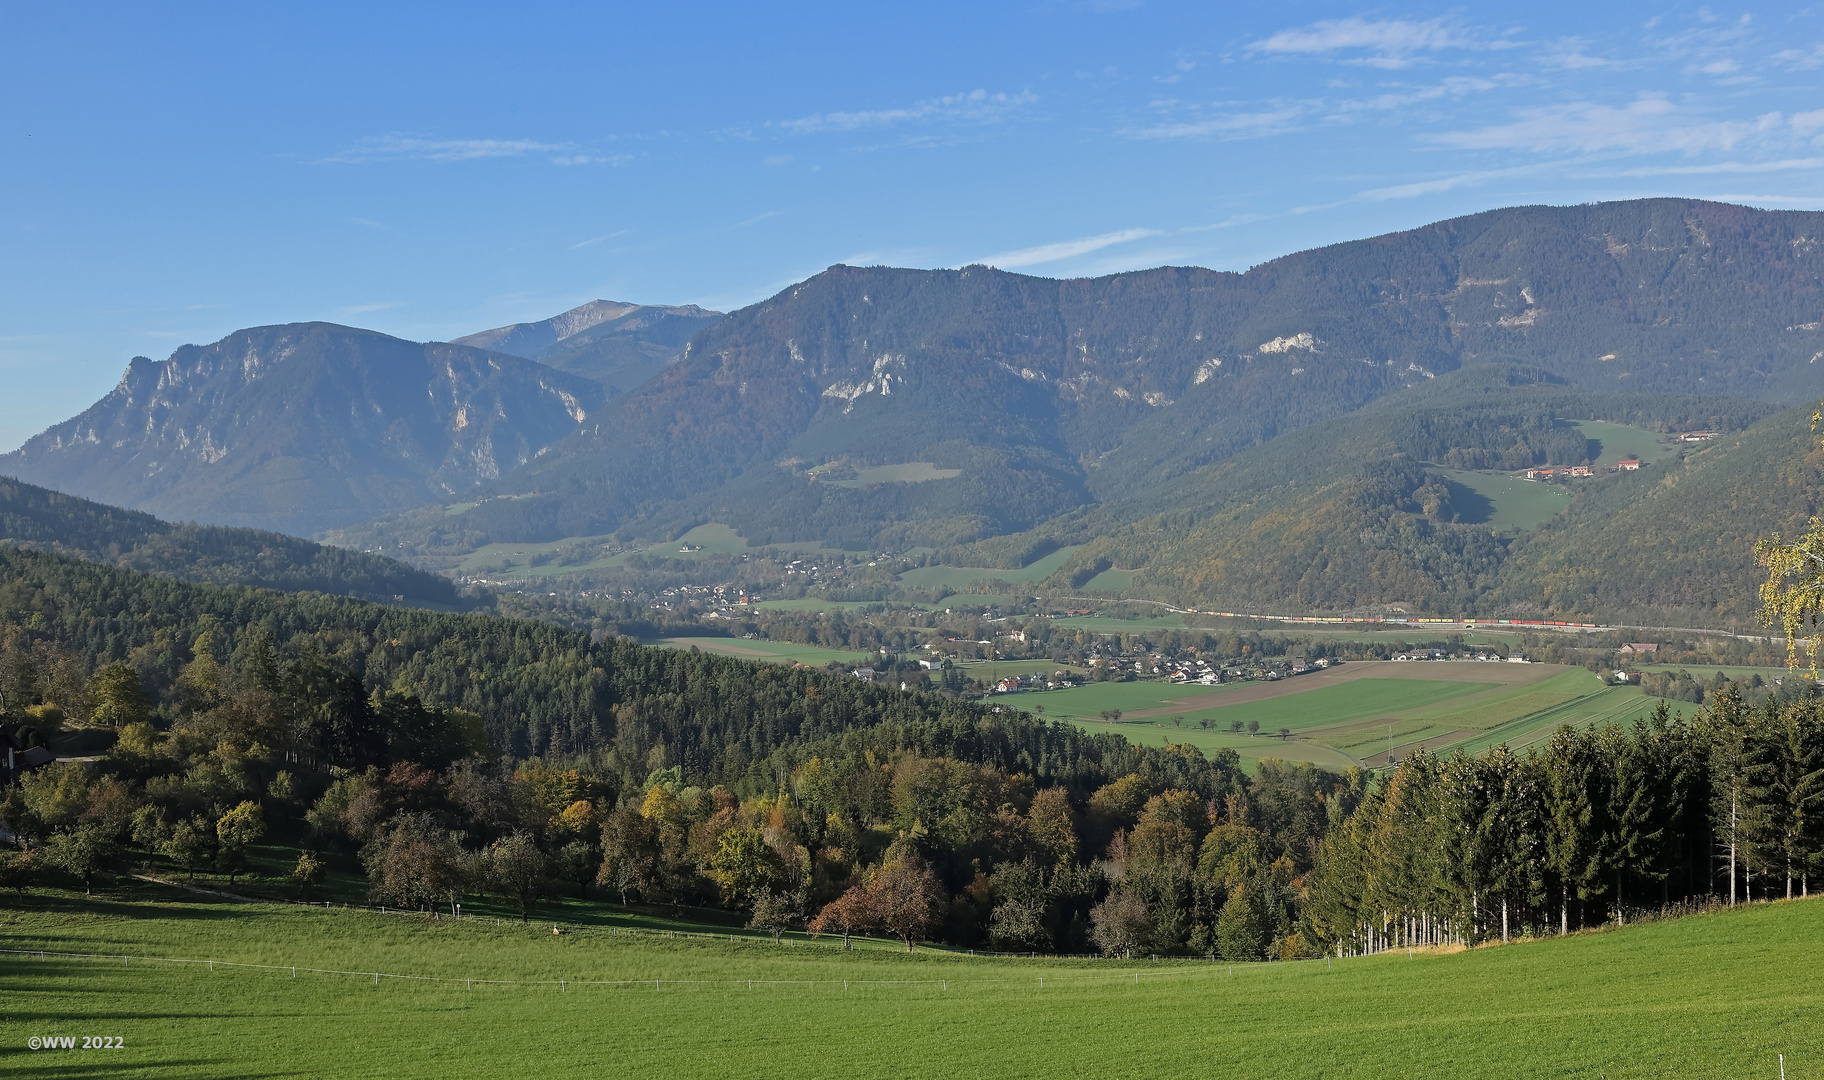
(1366, 513)
(1038, 397)
(34, 517)
(618, 345)
(305, 427)
(537, 688)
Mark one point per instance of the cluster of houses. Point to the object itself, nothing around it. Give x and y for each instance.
(1014, 684)
(1627, 464)
(1568, 470)
(1485, 658)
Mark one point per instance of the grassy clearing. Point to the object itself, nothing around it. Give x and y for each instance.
(908, 472)
(1624, 440)
(784, 652)
(1516, 503)
(1110, 581)
(961, 578)
(1713, 996)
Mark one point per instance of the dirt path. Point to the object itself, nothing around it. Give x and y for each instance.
(209, 892)
(1433, 670)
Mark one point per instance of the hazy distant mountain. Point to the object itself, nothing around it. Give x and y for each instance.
(618, 345)
(1032, 397)
(44, 520)
(305, 427)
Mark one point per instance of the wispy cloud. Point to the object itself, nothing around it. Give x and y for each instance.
(1386, 43)
(755, 220)
(1242, 125)
(410, 148)
(1648, 124)
(1438, 185)
(977, 106)
(599, 239)
(616, 160)
(1065, 249)
(1800, 59)
(1716, 168)
(363, 309)
(1456, 86)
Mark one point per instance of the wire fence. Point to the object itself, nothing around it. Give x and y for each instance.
(791, 938)
(565, 985)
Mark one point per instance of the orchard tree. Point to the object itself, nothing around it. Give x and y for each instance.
(84, 851)
(776, 912)
(851, 913)
(235, 832)
(518, 869)
(907, 896)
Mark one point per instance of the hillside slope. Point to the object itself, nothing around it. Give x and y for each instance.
(1039, 397)
(1361, 515)
(305, 427)
(40, 519)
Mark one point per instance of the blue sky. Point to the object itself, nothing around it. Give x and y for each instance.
(432, 170)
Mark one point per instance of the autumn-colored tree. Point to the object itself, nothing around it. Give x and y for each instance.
(907, 896)
(235, 832)
(851, 913)
(1052, 824)
(413, 862)
(307, 874)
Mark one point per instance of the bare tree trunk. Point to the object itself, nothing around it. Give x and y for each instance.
(1732, 810)
(1503, 918)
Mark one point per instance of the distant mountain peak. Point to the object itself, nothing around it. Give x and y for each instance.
(528, 339)
(617, 344)
(306, 426)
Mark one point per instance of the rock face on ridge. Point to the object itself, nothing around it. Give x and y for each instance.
(306, 427)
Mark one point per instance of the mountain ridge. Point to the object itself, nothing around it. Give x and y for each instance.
(305, 426)
(1051, 395)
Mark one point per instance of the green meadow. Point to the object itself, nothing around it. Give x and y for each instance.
(1719, 995)
(1518, 503)
(1436, 707)
(1624, 440)
(783, 652)
(961, 578)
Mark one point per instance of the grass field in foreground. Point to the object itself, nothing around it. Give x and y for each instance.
(1711, 996)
